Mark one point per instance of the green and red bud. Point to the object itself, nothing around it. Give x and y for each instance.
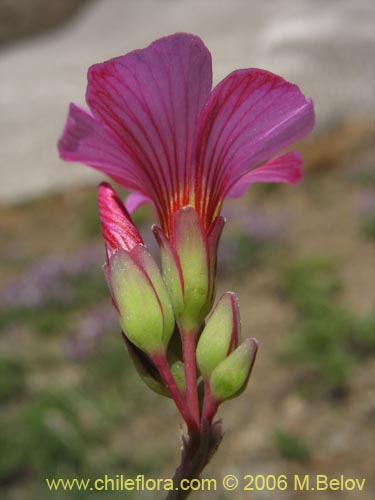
(189, 266)
(220, 335)
(137, 288)
(230, 377)
(116, 224)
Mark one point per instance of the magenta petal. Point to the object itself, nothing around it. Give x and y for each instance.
(118, 230)
(151, 99)
(85, 140)
(251, 115)
(134, 201)
(286, 168)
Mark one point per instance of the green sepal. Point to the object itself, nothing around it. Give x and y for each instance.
(172, 272)
(213, 240)
(146, 314)
(189, 240)
(148, 263)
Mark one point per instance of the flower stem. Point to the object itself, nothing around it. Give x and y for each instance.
(189, 341)
(197, 450)
(210, 405)
(161, 363)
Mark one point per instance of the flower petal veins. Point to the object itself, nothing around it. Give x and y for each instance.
(286, 168)
(251, 115)
(158, 130)
(151, 99)
(118, 230)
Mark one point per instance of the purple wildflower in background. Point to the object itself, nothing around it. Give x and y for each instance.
(48, 280)
(89, 331)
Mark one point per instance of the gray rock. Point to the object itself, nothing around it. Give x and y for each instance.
(323, 45)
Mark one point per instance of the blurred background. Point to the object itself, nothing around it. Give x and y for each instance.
(300, 258)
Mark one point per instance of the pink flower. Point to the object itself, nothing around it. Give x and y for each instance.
(156, 127)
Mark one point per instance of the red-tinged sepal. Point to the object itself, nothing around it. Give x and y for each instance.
(214, 236)
(189, 259)
(189, 241)
(220, 335)
(172, 272)
(146, 314)
(229, 379)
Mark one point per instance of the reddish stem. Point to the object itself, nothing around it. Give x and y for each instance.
(161, 363)
(189, 341)
(210, 404)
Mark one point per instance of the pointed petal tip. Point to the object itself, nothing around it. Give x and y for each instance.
(117, 227)
(108, 198)
(75, 130)
(104, 186)
(65, 142)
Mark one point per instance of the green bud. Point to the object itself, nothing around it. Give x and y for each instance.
(220, 335)
(146, 314)
(230, 377)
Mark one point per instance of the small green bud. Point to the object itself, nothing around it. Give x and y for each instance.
(220, 335)
(230, 377)
(146, 314)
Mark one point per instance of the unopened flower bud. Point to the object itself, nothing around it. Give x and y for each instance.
(135, 282)
(230, 377)
(220, 335)
(146, 314)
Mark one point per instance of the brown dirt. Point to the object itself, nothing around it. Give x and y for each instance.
(325, 223)
(23, 18)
